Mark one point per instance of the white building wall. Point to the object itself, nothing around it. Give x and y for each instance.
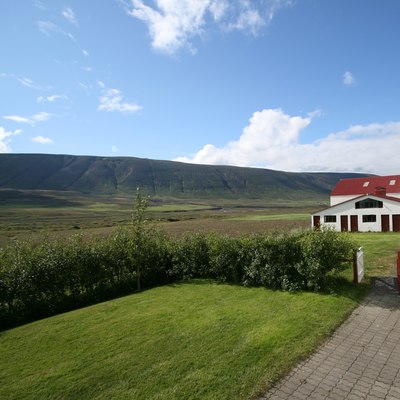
(340, 199)
(389, 208)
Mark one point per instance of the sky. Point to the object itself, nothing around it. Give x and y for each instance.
(291, 85)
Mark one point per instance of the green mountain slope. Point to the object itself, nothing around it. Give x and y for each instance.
(118, 175)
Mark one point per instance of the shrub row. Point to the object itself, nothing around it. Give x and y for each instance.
(38, 280)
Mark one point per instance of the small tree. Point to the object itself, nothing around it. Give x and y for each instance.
(139, 231)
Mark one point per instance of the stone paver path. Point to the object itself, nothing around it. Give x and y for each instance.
(360, 361)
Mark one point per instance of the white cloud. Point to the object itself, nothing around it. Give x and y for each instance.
(111, 100)
(5, 139)
(348, 79)
(269, 131)
(83, 86)
(114, 148)
(272, 140)
(39, 117)
(42, 140)
(50, 99)
(17, 118)
(23, 81)
(249, 19)
(47, 27)
(173, 24)
(218, 9)
(87, 69)
(69, 15)
(39, 4)
(26, 82)
(29, 83)
(85, 53)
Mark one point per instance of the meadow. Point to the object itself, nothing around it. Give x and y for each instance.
(66, 213)
(195, 340)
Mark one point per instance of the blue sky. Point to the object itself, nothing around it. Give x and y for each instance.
(293, 85)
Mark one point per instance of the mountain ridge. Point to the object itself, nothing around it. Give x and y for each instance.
(159, 178)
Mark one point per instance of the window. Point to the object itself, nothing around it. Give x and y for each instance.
(369, 218)
(392, 182)
(369, 203)
(365, 184)
(330, 218)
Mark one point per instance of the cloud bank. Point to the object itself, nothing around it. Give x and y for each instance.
(272, 140)
(173, 24)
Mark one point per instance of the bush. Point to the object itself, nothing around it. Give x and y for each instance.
(323, 252)
(227, 257)
(190, 257)
(273, 262)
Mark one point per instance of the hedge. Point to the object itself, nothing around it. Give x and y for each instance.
(38, 280)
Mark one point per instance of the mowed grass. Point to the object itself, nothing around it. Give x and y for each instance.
(198, 340)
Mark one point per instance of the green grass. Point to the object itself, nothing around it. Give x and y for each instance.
(188, 341)
(273, 217)
(380, 252)
(179, 207)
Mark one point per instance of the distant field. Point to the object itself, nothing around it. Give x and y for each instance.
(29, 214)
(185, 341)
(179, 207)
(274, 217)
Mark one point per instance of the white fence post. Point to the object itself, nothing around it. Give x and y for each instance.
(358, 265)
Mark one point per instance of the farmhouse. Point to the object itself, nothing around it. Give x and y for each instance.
(370, 204)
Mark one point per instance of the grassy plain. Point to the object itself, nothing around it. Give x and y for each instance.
(34, 213)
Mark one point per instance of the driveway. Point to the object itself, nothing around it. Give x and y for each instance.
(361, 360)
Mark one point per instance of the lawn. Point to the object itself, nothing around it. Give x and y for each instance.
(380, 252)
(198, 340)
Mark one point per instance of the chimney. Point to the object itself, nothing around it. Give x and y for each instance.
(380, 191)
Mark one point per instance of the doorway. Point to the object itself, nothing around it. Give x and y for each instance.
(354, 223)
(344, 223)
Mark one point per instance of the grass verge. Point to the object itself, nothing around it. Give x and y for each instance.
(188, 341)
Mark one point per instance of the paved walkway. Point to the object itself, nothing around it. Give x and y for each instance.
(360, 361)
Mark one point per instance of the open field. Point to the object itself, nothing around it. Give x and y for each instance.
(33, 213)
(185, 341)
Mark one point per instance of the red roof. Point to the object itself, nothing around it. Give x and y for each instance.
(367, 185)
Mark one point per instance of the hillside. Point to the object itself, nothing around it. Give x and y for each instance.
(120, 175)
